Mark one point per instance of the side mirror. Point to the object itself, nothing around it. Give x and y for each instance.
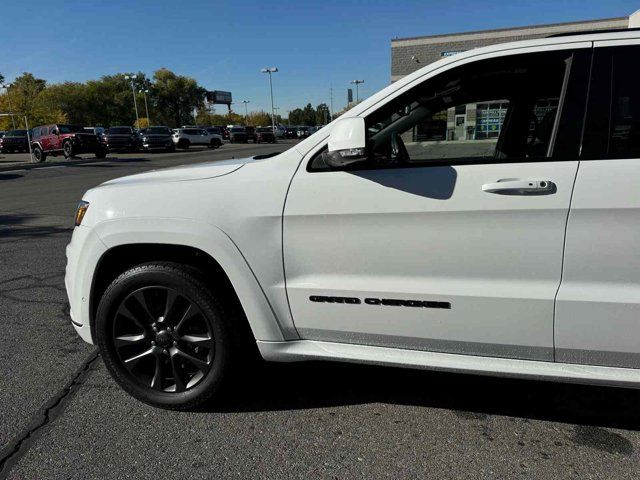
(347, 143)
(55, 131)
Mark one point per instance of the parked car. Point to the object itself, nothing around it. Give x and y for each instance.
(291, 132)
(157, 138)
(2, 133)
(121, 138)
(67, 140)
(14, 141)
(187, 137)
(95, 130)
(488, 253)
(238, 135)
(250, 131)
(280, 131)
(303, 132)
(264, 134)
(215, 131)
(224, 130)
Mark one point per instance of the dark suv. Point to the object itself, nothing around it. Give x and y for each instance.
(67, 140)
(264, 134)
(121, 138)
(14, 141)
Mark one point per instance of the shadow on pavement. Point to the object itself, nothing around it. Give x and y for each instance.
(100, 164)
(17, 226)
(9, 176)
(318, 385)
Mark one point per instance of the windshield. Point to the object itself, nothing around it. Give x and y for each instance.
(237, 130)
(16, 133)
(158, 131)
(119, 130)
(263, 130)
(70, 129)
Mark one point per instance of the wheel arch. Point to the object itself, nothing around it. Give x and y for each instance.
(209, 250)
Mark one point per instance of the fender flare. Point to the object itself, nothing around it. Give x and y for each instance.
(212, 241)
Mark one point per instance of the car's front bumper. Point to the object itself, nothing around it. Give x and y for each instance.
(83, 254)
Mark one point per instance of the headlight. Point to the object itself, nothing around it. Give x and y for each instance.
(82, 209)
(145, 139)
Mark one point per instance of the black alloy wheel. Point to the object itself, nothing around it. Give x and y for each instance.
(164, 336)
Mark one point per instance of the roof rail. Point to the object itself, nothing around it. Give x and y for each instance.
(585, 32)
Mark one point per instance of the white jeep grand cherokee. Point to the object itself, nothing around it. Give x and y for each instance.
(481, 215)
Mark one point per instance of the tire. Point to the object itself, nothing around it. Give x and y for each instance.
(183, 143)
(134, 363)
(218, 143)
(171, 149)
(101, 153)
(39, 154)
(67, 149)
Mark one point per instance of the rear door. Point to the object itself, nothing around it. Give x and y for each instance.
(455, 246)
(598, 306)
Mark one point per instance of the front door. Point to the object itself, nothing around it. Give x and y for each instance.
(438, 244)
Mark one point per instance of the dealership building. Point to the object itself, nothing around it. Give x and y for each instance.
(482, 121)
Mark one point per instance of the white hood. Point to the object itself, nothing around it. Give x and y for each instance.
(182, 173)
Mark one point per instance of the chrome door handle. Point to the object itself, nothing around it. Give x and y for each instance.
(519, 187)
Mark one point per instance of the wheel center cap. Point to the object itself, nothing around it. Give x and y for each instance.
(163, 338)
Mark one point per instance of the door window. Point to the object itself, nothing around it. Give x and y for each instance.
(612, 129)
(496, 110)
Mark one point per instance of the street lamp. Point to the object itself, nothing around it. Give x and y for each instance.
(144, 91)
(133, 91)
(271, 70)
(246, 114)
(275, 110)
(357, 82)
(6, 87)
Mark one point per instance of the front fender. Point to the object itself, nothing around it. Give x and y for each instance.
(211, 240)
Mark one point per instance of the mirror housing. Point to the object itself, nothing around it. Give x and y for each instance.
(347, 143)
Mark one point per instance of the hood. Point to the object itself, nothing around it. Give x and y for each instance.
(183, 173)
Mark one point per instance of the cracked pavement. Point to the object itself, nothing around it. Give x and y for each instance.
(61, 415)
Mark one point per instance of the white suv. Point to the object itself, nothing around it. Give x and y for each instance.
(186, 137)
(480, 215)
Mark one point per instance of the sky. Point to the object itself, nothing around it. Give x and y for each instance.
(223, 44)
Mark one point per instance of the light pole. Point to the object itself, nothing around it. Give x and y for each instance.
(271, 70)
(144, 91)
(133, 91)
(6, 87)
(246, 113)
(275, 110)
(357, 82)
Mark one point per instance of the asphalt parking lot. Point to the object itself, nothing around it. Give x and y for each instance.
(61, 416)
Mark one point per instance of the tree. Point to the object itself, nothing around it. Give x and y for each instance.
(260, 118)
(322, 114)
(174, 98)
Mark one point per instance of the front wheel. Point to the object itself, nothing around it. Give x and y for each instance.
(101, 153)
(164, 336)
